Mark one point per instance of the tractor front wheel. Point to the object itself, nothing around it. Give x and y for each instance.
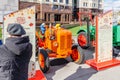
(77, 55)
(43, 60)
(82, 40)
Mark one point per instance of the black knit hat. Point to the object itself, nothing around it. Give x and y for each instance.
(15, 29)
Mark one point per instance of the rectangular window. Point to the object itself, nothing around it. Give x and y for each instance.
(67, 1)
(61, 1)
(94, 5)
(57, 17)
(47, 0)
(84, 4)
(55, 6)
(45, 17)
(68, 17)
(36, 16)
(49, 17)
(67, 7)
(54, 0)
(61, 7)
(34, 1)
(65, 17)
(99, 1)
(100, 6)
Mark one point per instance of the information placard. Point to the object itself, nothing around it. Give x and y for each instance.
(104, 37)
(103, 50)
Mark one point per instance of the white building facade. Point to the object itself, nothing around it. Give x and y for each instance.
(62, 2)
(92, 7)
(94, 4)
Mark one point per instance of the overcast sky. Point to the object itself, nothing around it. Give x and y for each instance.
(111, 4)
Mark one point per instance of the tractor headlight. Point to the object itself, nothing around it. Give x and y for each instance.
(55, 44)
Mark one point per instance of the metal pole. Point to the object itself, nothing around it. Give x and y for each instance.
(41, 9)
(88, 32)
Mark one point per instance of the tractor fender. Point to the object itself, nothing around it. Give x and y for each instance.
(82, 31)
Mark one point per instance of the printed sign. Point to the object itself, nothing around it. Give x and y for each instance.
(104, 37)
(8, 6)
(26, 18)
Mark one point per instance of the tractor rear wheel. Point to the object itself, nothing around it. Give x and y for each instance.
(43, 60)
(77, 54)
(82, 40)
(116, 51)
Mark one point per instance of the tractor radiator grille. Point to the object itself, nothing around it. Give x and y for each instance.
(65, 42)
(68, 43)
(62, 42)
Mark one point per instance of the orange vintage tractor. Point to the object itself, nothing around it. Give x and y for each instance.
(57, 43)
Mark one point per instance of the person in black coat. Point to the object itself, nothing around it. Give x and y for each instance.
(15, 54)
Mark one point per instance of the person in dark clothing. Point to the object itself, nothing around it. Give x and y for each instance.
(15, 54)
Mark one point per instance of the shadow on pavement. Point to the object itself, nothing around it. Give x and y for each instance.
(88, 53)
(55, 65)
(58, 64)
(82, 74)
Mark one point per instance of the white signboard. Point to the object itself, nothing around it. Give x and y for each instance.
(8, 6)
(26, 18)
(104, 37)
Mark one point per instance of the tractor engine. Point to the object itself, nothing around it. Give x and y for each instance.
(58, 41)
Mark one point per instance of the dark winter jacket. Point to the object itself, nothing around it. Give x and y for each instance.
(15, 55)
